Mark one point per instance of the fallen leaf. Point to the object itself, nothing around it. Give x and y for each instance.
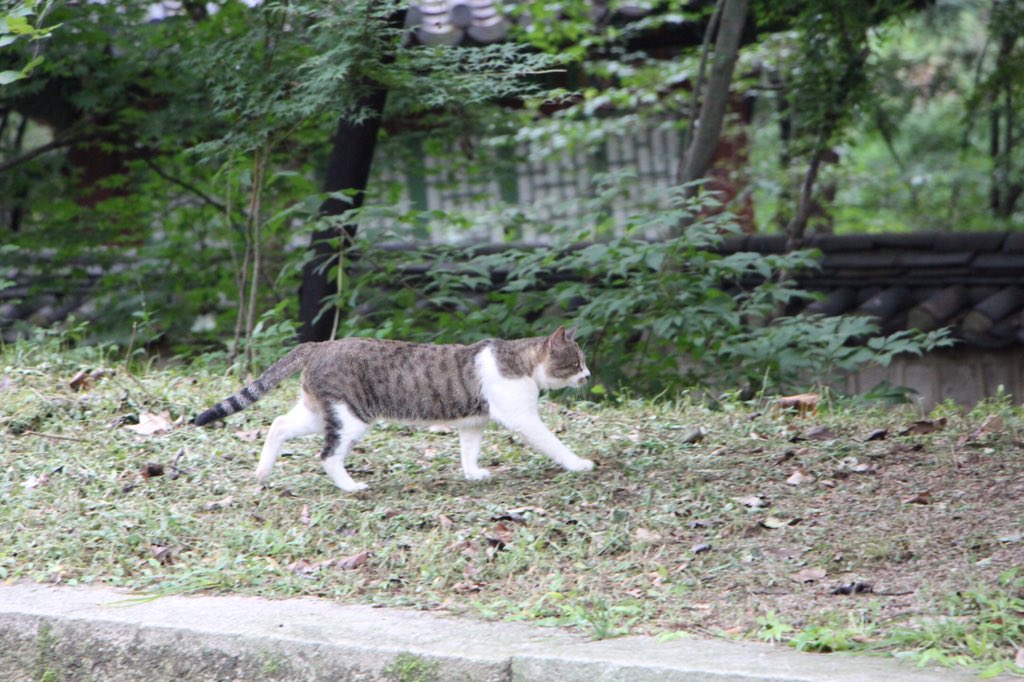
(445, 521)
(304, 517)
(877, 434)
(217, 505)
(799, 477)
(863, 468)
(924, 426)
(854, 588)
(700, 548)
(540, 511)
(803, 403)
(808, 575)
(694, 435)
(786, 456)
(353, 562)
(511, 515)
(991, 424)
(752, 501)
(1018, 660)
(165, 554)
(80, 381)
(301, 566)
(924, 497)
(787, 553)
(150, 423)
(820, 432)
(150, 469)
(439, 428)
(773, 522)
(1016, 537)
(306, 567)
(644, 536)
(430, 453)
(499, 536)
(34, 481)
(249, 436)
(467, 586)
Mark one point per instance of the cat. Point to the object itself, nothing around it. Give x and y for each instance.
(350, 383)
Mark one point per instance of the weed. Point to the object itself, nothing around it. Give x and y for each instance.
(980, 625)
(772, 628)
(411, 668)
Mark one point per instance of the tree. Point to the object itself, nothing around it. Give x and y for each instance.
(706, 128)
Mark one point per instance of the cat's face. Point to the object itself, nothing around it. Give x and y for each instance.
(565, 365)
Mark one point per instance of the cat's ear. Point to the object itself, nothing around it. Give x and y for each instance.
(558, 338)
(571, 334)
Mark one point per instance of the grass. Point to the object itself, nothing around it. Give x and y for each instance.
(661, 539)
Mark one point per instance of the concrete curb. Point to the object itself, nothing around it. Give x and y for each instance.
(85, 634)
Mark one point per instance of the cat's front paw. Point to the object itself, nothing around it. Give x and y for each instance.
(263, 475)
(353, 486)
(477, 474)
(580, 464)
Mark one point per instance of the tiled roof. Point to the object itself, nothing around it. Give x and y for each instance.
(970, 282)
(450, 22)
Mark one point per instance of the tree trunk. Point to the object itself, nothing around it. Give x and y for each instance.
(348, 168)
(798, 224)
(698, 156)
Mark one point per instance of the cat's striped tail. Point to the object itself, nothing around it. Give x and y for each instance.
(291, 363)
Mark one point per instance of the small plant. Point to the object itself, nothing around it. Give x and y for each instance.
(772, 628)
(828, 638)
(411, 668)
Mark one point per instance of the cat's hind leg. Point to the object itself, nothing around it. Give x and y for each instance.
(470, 437)
(343, 430)
(298, 421)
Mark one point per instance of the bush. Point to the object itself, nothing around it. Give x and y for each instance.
(655, 316)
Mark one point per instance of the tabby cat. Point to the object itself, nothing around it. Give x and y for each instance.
(350, 383)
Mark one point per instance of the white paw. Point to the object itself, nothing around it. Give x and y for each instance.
(580, 464)
(263, 475)
(477, 474)
(352, 486)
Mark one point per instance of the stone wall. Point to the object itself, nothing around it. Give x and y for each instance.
(964, 375)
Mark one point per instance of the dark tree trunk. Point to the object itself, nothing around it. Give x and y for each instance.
(701, 150)
(348, 168)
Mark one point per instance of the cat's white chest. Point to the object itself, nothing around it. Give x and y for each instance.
(508, 399)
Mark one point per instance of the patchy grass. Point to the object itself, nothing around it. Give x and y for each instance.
(665, 537)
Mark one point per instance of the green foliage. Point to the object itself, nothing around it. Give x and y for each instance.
(772, 628)
(411, 668)
(655, 317)
(981, 626)
(22, 20)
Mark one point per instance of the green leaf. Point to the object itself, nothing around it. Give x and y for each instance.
(8, 77)
(19, 25)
